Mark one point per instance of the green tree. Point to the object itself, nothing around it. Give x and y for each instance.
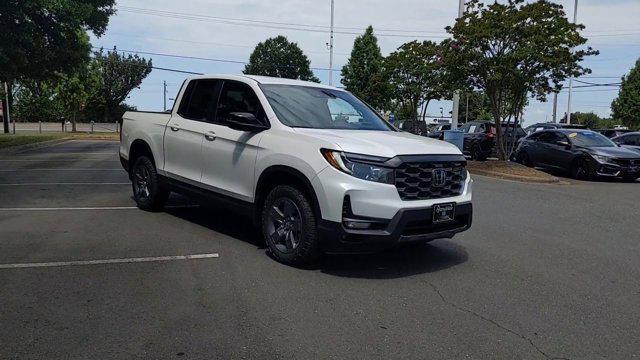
(37, 101)
(279, 57)
(40, 38)
(511, 51)
(478, 107)
(361, 74)
(73, 93)
(116, 76)
(626, 107)
(415, 77)
(590, 120)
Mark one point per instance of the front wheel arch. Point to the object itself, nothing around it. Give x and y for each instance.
(283, 175)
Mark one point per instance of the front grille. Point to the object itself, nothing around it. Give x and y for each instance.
(414, 180)
(627, 162)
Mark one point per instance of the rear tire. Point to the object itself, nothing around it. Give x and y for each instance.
(289, 226)
(147, 190)
(477, 155)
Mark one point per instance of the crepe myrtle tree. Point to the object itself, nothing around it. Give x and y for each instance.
(512, 51)
(414, 74)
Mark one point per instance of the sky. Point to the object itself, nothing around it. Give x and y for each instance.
(202, 29)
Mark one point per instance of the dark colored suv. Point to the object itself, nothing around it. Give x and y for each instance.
(582, 153)
(480, 138)
(549, 126)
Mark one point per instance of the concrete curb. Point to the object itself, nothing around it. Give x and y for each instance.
(520, 178)
(20, 148)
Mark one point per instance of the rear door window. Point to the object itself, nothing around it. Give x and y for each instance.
(199, 100)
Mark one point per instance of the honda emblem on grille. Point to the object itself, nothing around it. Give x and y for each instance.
(439, 177)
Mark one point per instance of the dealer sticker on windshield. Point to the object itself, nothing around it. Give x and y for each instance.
(444, 212)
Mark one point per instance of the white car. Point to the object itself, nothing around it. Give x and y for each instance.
(316, 168)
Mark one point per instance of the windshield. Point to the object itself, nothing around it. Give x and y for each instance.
(311, 107)
(590, 139)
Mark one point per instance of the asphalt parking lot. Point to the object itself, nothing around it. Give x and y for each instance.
(547, 271)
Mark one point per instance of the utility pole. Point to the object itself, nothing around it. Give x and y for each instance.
(7, 117)
(575, 20)
(456, 94)
(164, 95)
(466, 112)
(331, 47)
(555, 106)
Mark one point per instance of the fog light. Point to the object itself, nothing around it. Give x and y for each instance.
(358, 225)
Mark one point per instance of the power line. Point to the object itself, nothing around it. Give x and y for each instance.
(262, 24)
(596, 84)
(255, 21)
(210, 43)
(158, 68)
(187, 57)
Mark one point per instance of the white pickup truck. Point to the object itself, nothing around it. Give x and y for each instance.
(315, 167)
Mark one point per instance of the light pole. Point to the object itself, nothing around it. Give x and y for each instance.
(331, 47)
(456, 94)
(164, 95)
(575, 19)
(555, 106)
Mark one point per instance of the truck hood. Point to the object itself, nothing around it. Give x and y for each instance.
(381, 143)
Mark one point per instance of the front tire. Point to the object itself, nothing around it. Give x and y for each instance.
(147, 190)
(580, 170)
(523, 158)
(289, 226)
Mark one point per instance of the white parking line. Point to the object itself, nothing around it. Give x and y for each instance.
(109, 261)
(69, 183)
(60, 154)
(58, 169)
(90, 208)
(55, 160)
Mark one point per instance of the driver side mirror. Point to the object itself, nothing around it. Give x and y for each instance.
(244, 121)
(563, 143)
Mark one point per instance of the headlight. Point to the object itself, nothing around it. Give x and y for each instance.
(360, 169)
(602, 159)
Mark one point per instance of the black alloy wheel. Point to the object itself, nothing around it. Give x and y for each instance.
(285, 225)
(580, 170)
(289, 226)
(147, 190)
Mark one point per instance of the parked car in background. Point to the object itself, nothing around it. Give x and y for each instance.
(611, 133)
(584, 154)
(629, 140)
(437, 132)
(480, 138)
(412, 126)
(548, 126)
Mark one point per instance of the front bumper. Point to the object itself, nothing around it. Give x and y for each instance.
(615, 170)
(407, 225)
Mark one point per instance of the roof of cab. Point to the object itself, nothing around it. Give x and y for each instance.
(266, 80)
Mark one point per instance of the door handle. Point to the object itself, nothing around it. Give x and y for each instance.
(210, 136)
(175, 127)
